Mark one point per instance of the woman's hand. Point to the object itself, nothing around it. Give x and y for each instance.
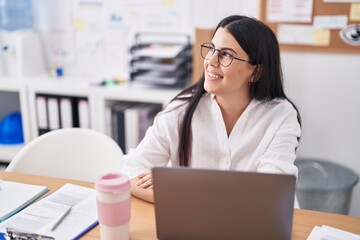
(145, 180)
(142, 187)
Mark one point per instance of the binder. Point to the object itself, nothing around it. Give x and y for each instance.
(54, 114)
(108, 120)
(118, 124)
(132, 126)
(146, 118)
(42, 114)
(129, 122)
(84, 114)
(56, 111)
(66, 116)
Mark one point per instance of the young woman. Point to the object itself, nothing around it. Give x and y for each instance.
(237, 117)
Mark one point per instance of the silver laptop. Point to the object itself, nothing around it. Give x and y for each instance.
(214, 204)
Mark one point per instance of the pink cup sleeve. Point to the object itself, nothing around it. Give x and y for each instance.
(114, 214)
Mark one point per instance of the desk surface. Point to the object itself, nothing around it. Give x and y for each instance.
(142, 225)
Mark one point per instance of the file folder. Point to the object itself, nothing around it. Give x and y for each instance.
(66, 113)
(84, 114)
(54, 118)
(146, 118)
(118, 124)
(131, 127)
(41, 114)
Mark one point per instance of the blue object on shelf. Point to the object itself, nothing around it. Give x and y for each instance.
(11, 130)
(16, 14)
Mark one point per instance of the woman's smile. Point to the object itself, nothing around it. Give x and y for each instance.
(213, 76)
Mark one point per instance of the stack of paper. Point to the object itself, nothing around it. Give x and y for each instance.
(160, 51)
(330, 233)
(162, 64)
(15, 196)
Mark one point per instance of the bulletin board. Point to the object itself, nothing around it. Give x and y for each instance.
(320, 8)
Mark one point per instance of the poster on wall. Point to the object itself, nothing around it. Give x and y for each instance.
(289, 11)
(341, 1)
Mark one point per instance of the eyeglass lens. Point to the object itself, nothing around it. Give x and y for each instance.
(225, 58)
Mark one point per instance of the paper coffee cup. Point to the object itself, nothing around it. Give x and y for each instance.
(113, 203)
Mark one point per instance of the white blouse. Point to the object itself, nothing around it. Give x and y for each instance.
(263, 139)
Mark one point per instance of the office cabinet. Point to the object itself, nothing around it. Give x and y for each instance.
(46, 97)
(92, 99)
(136, 99)
(13, 98)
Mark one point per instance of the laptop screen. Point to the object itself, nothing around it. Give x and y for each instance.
(215, 204)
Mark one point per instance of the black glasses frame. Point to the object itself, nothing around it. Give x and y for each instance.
(213, 49)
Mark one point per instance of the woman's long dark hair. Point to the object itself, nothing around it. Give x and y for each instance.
(261, 45)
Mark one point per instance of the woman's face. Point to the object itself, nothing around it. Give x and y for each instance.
(232, 80)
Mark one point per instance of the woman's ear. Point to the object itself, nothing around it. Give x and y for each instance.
(256, 75)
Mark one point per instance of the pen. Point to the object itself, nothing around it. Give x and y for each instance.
(60, 219)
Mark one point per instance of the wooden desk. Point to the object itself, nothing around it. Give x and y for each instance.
(142, 225)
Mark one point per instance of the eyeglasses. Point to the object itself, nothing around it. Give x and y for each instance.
(225, 56)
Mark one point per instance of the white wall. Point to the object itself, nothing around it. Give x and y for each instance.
(326, 89)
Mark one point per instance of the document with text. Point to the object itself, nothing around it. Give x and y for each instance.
(41, 216)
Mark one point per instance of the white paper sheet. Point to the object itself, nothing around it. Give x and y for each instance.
(330, 233)
(303, 35)
(289, 10)
(331, 22)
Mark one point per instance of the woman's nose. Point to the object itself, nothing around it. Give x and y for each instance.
(213, 59)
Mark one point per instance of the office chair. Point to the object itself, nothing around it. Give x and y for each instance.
(72, 153)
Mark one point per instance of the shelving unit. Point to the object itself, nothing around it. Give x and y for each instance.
(22, 96)
(8, 152)
(130, 93)
(13, 97)
(70, 86)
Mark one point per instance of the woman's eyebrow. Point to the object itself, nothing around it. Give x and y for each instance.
(225, 48)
